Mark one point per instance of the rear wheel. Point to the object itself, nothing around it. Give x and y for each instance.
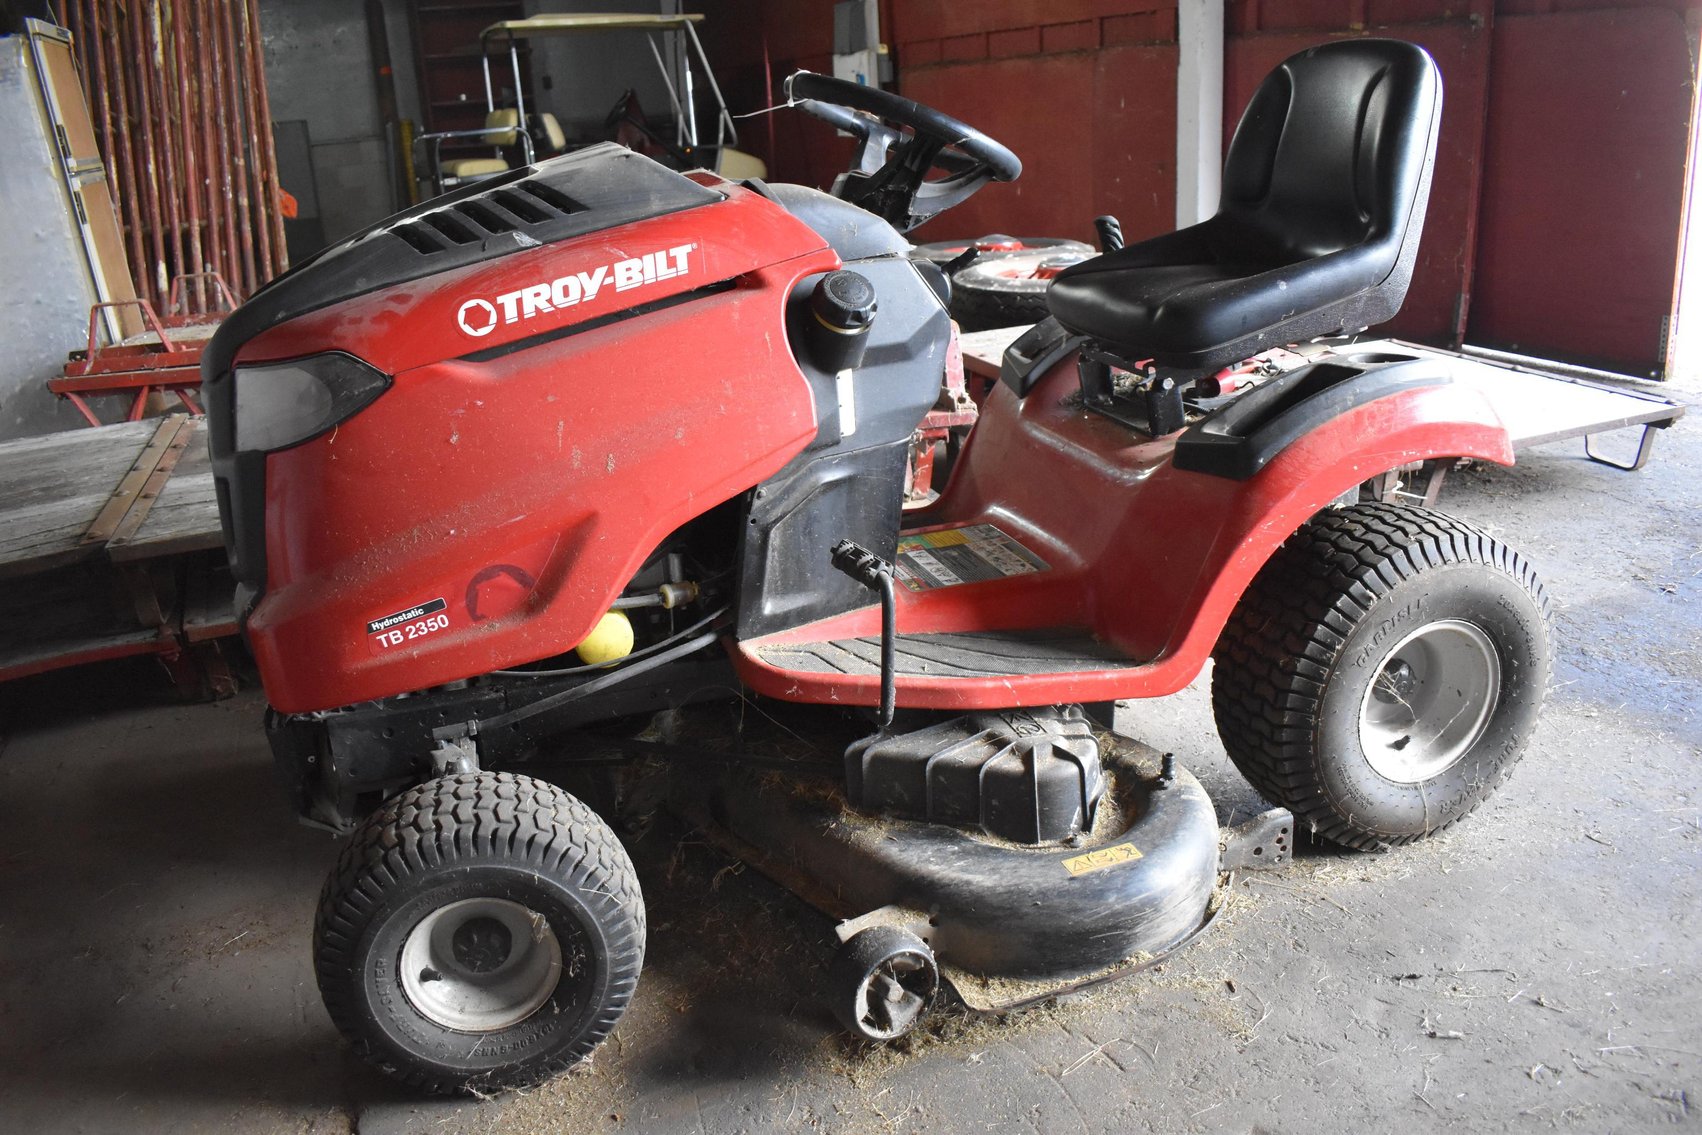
(1383, 673)
(480, 931)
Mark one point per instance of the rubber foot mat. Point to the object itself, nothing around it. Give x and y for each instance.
(961, 654)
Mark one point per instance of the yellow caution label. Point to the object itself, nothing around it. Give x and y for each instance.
(1101, 858)
(945, 538)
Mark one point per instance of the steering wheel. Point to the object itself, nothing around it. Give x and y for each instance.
(899, 141)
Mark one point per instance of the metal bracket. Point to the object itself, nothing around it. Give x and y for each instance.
(451, 758)
(1645, 445)
(915, 921)
(1262, 843)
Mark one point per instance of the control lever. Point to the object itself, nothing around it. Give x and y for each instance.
(961, 261)
(875, 573)
(1110, 231)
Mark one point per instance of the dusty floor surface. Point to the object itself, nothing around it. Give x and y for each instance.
(1537, 967)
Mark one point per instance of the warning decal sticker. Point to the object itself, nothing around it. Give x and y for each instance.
(962, 555)
(1102, 858)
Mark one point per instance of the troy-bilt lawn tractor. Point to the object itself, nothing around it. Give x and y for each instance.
(514, 478)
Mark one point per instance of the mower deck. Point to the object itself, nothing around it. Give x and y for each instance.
(1010, 924)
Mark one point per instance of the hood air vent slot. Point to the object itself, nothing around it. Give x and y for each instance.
(509, 209)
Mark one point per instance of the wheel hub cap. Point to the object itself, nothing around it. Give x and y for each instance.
(480, 965)
(1431, 701)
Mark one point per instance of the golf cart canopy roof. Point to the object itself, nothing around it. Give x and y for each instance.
(557, 23)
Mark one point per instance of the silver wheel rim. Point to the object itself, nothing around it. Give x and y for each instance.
(1430, 702)
(480, 965)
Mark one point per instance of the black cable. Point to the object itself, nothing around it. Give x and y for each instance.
(621, 663)
(596, 685)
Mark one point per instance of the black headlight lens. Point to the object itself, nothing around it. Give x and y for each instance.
(283, 404)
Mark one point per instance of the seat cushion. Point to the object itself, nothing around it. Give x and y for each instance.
(474, 167)
(1324, 193)
(1189, 303)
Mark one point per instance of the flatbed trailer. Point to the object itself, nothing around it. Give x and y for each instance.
(110, 547)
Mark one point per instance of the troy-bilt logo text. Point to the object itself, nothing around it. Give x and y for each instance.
(479, 317)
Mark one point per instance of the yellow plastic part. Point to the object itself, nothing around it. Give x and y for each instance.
(609, 641)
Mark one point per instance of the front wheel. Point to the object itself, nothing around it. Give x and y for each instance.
(479, 932)
(1383, 673)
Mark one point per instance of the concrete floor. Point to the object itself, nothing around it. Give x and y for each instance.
(1535, 968)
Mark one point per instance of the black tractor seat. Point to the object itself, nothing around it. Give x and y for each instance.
(1324, 194)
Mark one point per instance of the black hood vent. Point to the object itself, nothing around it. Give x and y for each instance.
(518, 208)
(589, 190)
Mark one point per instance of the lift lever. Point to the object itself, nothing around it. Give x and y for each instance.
(875, 573)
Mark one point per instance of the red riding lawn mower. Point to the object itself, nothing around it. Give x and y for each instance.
(556, 473)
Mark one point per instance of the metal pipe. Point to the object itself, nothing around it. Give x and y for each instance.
(726, 134)
(238, 153)
(667, 81)
(690, 100)
(126, 190)
(206, 116)
(177, 97)
(223, 189)
(147, 281)
(485, 65)
(188, 186)
(158, 78)
(519, 95)
(257, 141)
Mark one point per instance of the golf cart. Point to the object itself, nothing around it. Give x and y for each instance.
(516, 132)
(551, 467)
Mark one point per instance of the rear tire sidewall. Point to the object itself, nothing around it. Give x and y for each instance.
(541, 1040)
(1474, 593)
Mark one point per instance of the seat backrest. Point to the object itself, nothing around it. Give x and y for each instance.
(500, 120)
(550, 125)
(1333, 152)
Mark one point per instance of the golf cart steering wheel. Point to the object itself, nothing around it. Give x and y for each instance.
(888, 176)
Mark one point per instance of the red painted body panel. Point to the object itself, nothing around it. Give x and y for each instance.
(1149, 558)
(522, 491)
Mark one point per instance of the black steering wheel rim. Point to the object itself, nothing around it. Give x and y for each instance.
(997, 159)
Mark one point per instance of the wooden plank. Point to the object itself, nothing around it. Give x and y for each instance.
(53, 488)
(185, 516)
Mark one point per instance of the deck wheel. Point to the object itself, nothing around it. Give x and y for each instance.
(882, 981)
